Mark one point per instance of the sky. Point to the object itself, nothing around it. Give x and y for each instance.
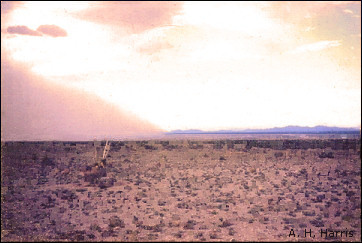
(88, 70)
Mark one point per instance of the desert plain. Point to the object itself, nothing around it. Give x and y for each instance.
(183, 190)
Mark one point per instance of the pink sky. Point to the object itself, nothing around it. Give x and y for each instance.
(83, 71)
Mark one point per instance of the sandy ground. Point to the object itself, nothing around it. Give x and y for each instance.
(180, 192)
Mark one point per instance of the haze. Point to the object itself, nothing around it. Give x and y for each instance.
(94, 70)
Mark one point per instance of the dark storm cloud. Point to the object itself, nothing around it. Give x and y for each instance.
(135, 17)
(35, 109)
(22, 30)
(52, 30)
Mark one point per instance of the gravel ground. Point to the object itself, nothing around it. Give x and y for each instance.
(181, 191)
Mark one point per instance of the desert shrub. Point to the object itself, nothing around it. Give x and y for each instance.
(90, 177)
(330, 155)
(114, 221)
(196, 146)
(250, 144)
(47, 161)
(106, 182)
(141, 143)
(218, 145)
(164, 143)
(68, 195)
(278, 154)
(150, 147)
(190, 224)
(225, 223)
(326, 155)
(171, 147)
(303, 171)
(230, 144)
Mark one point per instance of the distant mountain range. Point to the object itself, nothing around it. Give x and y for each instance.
(277, 130)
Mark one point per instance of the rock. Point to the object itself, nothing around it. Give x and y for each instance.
(174, 223)
(232, 231)
(252, 170)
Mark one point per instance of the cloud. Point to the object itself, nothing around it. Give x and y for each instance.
(22, 30)
(298, 11)
(317, 46)
(34, 109)
(154, 47)
(8, 6)
(348, 11)
(330, 19)
(134, 17)
(52, 30)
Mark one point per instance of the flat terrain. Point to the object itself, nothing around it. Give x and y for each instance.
(219, 190)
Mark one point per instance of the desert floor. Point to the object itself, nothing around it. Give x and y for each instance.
(188, 191)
